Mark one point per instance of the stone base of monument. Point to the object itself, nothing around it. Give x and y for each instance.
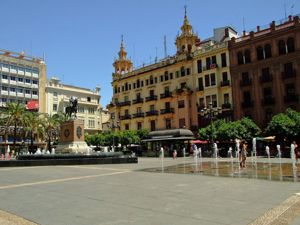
(72, 138)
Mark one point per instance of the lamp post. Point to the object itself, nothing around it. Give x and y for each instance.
(112, 126)
(211, 113)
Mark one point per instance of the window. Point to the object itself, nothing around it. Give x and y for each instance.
(55, 94)
(34, 82)
(214, 100)
(188, 72)
(168, 123)
(12, 89)
(151, 93)
(290, 89)
(171, 76)
(247, 56)
(80, 109)
(161, 78)
(20, 90)
(265, 71)
(152, 107)
(91, 110)
(138, 96)
(247, 96)
(199, 66)
(4, 99)
(4, 88)
(214, 60)
(34, 92)
(207, 80)
(20, 79)
(281, 47)
(223, 60)
(177, 74)
(268, 51)
(212, 79)
(182, 85)
(155, 80)
(182, 71)
(126, 86)
(28, 81)
(166, 76)
(208, 63)
(126, 112)
(166, 90)
(260, 53)
(88, 99)
(245, 77)
(200, 83)
(224, 76)
(167, 105)
(240, 58)
(4, 77)
(27, 92)
(182, 123)
(151, 79)
(267, 92)
(288, 68)
(138, 84)
(142, 83)
(139, 110)
(91, 123)
(54, 107)
(226, 98)
(207, 100)
(290, 45)
(139, 125)
(152, 125)
(13, 78)
(181, 104)
(201, 103)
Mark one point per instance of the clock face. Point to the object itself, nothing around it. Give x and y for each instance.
(79, 132)
(66, 132)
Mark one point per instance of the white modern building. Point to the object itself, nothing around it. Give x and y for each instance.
(89, 108)
(22, 79)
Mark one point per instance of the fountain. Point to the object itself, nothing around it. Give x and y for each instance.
(162, 155)
(216, 151)
(293, 157)
(268, 154)
(237, 142)
(254, 153)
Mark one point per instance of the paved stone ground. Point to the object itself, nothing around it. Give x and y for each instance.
(121, 194)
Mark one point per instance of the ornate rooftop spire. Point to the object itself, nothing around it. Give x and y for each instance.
(122, 52)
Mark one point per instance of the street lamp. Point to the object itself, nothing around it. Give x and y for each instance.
(112, 126)
(211, 113)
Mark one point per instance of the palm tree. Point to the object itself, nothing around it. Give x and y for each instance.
(50, 125)
(33, 125)
(15, 117)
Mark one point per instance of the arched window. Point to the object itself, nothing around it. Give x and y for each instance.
(247, 56)
(183, 47)
(290, 45)
(281, 47)
(268, 51)
(240, 58)
(260, 53)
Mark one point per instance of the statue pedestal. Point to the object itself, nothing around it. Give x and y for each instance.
(72, 138)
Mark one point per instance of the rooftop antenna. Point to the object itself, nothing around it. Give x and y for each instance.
(155, 54)
(244, 24)
(292, 7)
(165, 46)
(44, 56)
(185, 6)
(284, 5)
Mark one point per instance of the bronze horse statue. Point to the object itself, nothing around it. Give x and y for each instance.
(72, 108)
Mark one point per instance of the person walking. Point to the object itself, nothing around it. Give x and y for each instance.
(243, 155)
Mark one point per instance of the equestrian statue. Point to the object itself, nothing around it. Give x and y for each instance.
(72, 108)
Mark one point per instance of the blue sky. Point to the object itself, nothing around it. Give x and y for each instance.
(81, 38)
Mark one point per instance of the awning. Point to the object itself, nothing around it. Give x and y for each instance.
(173, 134)
(200, 142)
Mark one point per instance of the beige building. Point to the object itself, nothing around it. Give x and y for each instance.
(23, 80)
(170, 93)
(89, 108)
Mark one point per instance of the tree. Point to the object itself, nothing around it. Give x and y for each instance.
(252, 130)
(282, 126)
(50, 125)
(295, 116)
(33, 125)
(14, 115)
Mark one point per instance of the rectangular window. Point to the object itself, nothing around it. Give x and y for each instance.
(27, 92)
(208, 63)
(212, 79)
(81, 109)
(177, 74)
(91, 110)
(167, 105)
(161, 78)
(127, 126)
(207, 80)
(267, 92)
(20, 79)
(214, 60)
(181, 104)
(28, 81)
(91, 123)
(224, 76)
(139, 110)
(166, 76)
(245, 77)
(12, 89)
(4, 77)
(152, 107)
(223, 59)
(214, 100)
(171, 76)
(226, 98)
(151, 92)
(4, 88)
(139, 125)
(88, 99)
(13, 78)
(152, 125)
(20, 90)
(54, 107)
(199, 66)
(188, 71)
(182, 123)
(55, 94)
(290, 89)
(208, 101)
(247, 96)
(34, 92)
(168, 123)
(34, 82)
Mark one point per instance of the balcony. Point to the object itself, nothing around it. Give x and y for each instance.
(248, 104)
(125, 117)
(167, 110)
(152, 113)
(124, 103)
(226, 106)
(151, 98)
(166, 95)
(267, 101)
(110, 105)
(246, 82)
(291, 98)
(265, 78)
(288, 74)
(225, 83)
(138, 100)
(138, 115)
